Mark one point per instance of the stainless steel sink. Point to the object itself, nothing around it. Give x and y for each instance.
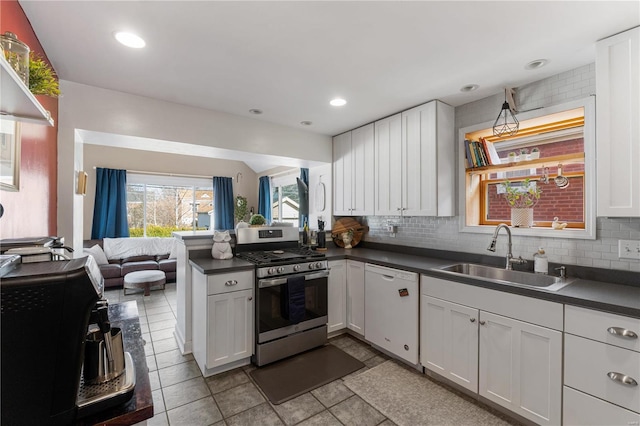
(504, 276)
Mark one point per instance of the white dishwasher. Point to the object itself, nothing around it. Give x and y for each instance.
(391, 310)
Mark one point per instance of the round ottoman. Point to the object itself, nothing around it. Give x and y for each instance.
(144, 280)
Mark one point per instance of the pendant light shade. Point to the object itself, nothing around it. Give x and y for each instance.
(506, 124)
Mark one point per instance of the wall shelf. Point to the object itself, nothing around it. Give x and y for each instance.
(539, 162)
(16, 101)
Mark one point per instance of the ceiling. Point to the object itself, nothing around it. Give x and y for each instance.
(290, 58)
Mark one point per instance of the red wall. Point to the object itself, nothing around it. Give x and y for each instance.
(32, 211)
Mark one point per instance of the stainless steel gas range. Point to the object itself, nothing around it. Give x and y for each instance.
(291, 292)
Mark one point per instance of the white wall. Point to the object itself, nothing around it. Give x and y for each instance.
(107, 111)
(443, 232)
(132, 159)
(317, 175)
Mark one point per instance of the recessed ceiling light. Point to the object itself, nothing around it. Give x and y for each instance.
(306, 123)
(130, 39)
(538, 63)
(338, 102)
(469, 88)
(255, 111)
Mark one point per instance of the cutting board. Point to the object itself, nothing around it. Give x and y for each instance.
(343, 225)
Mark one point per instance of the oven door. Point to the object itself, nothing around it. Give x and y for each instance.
(273, 310)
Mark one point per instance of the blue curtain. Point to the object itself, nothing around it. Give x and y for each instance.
(222, 203)
(264, 197)
(303, 195)
(110, 206)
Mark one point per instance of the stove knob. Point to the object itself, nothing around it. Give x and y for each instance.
(271, 271)
(296, 267)
(312, 266)
(318, 265)
(281, 269)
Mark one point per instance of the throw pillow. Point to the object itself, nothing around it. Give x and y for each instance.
(174, 249)
(98, 254)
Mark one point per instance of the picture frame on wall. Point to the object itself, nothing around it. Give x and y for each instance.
(9, 155)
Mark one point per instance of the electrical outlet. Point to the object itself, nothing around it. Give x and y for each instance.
(629, 249)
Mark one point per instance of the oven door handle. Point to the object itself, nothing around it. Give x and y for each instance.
(279, 281)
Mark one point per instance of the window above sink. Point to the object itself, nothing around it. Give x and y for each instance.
(564, 140)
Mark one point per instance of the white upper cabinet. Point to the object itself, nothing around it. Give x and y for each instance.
(353, 162)
(342, 174)
(388, 166)
(618, 127)
(415, 162)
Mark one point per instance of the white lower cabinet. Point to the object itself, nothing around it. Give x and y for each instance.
(337, 296)
(601, 368)
(223, 326)
(580, 409)
(355, 296)
(484, 341)
(449, 336)
(521, 367)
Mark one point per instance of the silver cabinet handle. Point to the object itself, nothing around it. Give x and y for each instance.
(619, 377)
(230, 283)
(622, 332)
(482, 323)
(250, 299)
(472, 319)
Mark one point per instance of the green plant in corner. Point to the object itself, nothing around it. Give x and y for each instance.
(240, 208)
(42, 78)
(522, 196)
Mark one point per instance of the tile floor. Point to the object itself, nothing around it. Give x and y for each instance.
(182, 396)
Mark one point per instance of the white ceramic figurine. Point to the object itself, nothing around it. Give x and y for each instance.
(221, 248)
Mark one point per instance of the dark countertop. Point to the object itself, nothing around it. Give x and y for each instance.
(606, 296)
(140, 406)
(208, 265)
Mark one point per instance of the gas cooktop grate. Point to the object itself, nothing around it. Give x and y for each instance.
(271, 256)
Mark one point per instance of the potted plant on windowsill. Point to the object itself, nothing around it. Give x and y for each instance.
(522, 198)
(257, 220)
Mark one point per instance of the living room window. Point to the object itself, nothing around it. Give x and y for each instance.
(158, 205)
(552, 153)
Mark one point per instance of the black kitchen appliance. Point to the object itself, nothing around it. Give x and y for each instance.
(291, 292)
(45, 316)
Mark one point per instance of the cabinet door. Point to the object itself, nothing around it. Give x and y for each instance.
(521, 367)
(419, 150)
(428, 159)
(362, 163)
(580, 409)
(449, 340)
(388, 166)
(618, 127)
(230, 327)
(342, 182)
(355, 296)
(337, 310)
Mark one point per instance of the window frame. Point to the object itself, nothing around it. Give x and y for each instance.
(278, 181)
(195, 183)
(466, 181)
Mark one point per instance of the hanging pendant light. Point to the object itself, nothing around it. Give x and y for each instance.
(506, 124)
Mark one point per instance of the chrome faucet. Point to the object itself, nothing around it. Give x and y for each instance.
(510, 259)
